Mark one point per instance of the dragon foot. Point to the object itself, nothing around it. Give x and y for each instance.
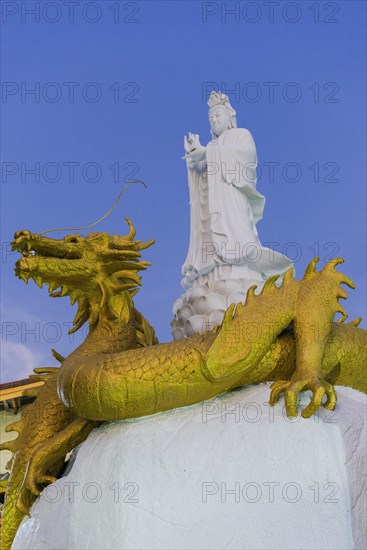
(292, 388)
(49, 457)
(36, 482)
(38, 475)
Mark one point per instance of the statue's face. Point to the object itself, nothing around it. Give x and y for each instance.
(219, 120)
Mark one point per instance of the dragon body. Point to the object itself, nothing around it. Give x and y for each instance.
(286, 335)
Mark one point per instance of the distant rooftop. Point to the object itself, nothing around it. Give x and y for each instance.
(11, 394)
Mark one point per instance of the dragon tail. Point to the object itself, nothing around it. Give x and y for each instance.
(40, 420)
(12, 512)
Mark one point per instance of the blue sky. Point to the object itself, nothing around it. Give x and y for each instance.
(116, 87)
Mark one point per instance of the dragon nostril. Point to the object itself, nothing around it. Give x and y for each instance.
(22, 233)
(74, 239)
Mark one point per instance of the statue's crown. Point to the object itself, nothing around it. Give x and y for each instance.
(218, 98)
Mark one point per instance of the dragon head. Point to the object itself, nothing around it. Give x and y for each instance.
(95, 271)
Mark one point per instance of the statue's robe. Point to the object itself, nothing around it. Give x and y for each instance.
(224, 209)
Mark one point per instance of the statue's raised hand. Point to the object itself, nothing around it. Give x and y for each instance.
(191, 142)
(193, 148)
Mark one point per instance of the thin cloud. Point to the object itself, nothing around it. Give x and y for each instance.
(18, 361)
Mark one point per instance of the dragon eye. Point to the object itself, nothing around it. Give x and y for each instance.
(72, 239)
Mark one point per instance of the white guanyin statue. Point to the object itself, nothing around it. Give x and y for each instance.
(225, 256)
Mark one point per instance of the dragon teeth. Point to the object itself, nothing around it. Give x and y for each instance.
(38, 281)
(24, 277)
(52, 287)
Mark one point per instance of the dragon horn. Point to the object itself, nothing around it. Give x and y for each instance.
(132, 230)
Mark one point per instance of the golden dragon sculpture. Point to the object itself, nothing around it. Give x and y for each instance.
(286, 335)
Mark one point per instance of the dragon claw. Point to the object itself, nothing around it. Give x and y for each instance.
(47, 480)
(21, 506)
(37, 476)
(34, 483)
(291, 390)
(32, 487)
